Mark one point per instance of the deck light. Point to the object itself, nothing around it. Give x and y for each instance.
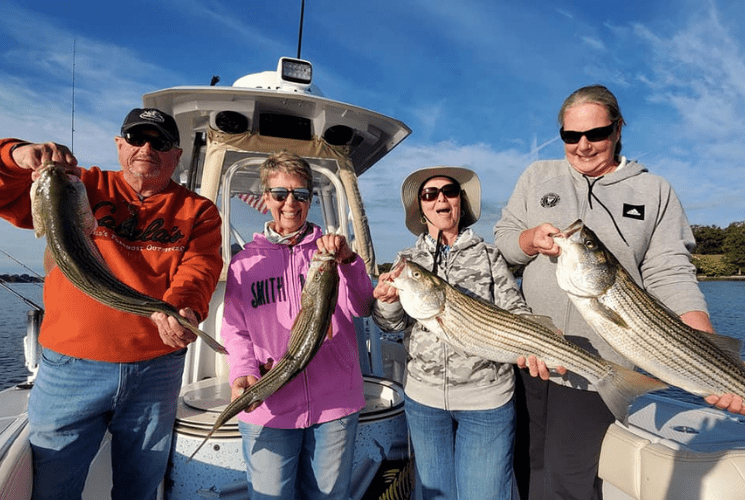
(296, 70)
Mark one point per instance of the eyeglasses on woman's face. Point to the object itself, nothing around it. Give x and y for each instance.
(432, 193)
(593, 135)
(280, 194)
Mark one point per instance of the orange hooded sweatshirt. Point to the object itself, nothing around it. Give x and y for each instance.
(166, 246)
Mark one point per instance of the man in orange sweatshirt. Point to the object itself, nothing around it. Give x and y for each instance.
(103, 369)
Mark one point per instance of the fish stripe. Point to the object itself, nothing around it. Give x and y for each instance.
(645, 331)
(482, 329)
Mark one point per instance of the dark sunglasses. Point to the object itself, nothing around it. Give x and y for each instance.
(280, 194)
(156, 142)
(593, 135)
(431, 193)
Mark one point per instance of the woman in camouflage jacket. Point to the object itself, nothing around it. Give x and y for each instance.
(459, 407)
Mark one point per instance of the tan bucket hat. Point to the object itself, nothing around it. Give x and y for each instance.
(470, 196)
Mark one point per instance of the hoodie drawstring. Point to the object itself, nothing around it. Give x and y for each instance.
(438, 251)
(591, 195)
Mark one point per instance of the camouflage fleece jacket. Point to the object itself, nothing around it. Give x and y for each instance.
(437, 374)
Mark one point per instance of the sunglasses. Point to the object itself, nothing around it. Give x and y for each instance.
(156, 142)
(280, 194)
(432, 193)
(593, 135)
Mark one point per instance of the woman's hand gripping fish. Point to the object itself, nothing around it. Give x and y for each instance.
(480, 328)
(313, 322)
(61, 210)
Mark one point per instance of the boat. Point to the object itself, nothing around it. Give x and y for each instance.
(227, 132)
(667, 450)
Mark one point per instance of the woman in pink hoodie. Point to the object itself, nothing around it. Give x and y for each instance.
(299, 443)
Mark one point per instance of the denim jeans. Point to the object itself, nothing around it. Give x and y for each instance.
(464, 455)
(311, 464)
(74, 401)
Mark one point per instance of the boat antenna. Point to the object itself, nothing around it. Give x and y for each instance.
(72, 124)
(300, 31)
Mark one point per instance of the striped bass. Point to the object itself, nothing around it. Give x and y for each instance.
(638, 326)
(480, 328)
(309, 329)
(61, 210)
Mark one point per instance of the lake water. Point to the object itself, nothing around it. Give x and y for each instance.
(726, 301)
(13, 317)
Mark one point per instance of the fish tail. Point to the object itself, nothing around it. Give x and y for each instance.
(214, 344)
(621, 386)
(209, 435)
(247, 401)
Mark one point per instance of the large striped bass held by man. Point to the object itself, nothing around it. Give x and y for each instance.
(62, 212)
(480, 328)
(640, 327)
(309, 329)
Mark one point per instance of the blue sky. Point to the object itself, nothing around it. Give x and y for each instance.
(478, 82)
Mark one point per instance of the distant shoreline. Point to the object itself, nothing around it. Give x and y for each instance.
(20, 278)
(720, 278)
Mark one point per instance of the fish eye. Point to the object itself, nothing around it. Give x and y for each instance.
(416, 274)
(590, 244)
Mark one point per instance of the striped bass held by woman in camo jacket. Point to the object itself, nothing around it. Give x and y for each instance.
(470, 382)
(459, 407)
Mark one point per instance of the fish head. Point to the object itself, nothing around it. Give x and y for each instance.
(585, 266)
(323, 266)
(422, 294)
(57, 191)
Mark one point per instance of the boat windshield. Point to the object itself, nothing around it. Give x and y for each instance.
(244, 212)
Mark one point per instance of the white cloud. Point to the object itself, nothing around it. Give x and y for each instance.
(593, 42)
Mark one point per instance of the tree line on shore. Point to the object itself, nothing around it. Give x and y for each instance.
(19, 278)
(719, 251)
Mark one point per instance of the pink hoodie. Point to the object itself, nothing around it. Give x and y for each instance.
(262, 299)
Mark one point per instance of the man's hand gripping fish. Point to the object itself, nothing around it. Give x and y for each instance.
(61, 210)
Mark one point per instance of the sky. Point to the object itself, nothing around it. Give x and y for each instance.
(479, 82)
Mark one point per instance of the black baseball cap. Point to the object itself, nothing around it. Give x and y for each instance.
(162, 122)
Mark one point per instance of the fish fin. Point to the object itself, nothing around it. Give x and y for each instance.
(49, 262)
(330, 332)
(96, 253)
(608, 313)
(730, 345)
(621, 386)
(212, 343)
(542, 320)
(453, 340)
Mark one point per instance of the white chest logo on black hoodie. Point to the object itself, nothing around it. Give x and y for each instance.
(633, 211)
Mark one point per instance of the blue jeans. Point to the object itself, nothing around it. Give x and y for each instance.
(313, 463)
(464, 455)
(74, 401)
